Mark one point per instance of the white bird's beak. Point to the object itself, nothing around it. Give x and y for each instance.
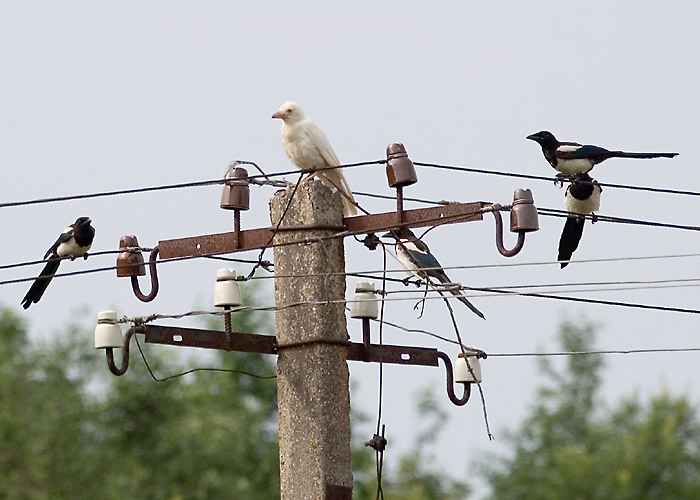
(279, 114)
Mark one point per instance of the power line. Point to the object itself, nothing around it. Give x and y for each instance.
(262, 179)
(487, 292)
(554, 179)
(254, 179)
(552, 212)
(548, 212)
(360, 274)
(111, 193)
(588, 353)
(543, 354)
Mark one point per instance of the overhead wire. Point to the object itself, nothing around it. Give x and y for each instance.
(342, 234)
(254, 179)
(257, 179)
(143, 320)
(544, 211)
(555, 179)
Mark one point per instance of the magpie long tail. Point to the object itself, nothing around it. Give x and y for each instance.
(466, 302)
(624, 154)
(41, 282)
(570, 237)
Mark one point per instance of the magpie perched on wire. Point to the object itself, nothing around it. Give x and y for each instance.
(571, 158)
(415, 257)
(582, 197)
(75, 241)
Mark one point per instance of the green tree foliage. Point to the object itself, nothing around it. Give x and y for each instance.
(71, 430)
(567, 448)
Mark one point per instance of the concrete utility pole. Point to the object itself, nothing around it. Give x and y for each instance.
(311, 341)
(312, 371)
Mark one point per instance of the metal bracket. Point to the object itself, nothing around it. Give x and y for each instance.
(260, 238)
(267, 344)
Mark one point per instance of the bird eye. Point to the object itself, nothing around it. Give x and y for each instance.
(290, 110)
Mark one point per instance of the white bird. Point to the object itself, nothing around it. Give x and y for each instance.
(308, 148)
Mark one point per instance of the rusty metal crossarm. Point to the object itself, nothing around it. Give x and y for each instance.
(267, 344)
(210, 339)
(212, 244)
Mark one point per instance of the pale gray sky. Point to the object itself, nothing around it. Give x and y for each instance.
(97, 96)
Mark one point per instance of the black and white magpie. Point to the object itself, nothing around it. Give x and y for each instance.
(572, 158)
(415, 257)
(74, 242)
(582, 197)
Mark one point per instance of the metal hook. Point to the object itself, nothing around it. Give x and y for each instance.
(523, 219)
(495, 209)
(130, 263)
(154, 279)
(121, 370)
(450, 383)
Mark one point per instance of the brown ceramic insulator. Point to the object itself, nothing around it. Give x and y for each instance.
(236, 193)
(523, 215)
(130, 262)
(399, 167)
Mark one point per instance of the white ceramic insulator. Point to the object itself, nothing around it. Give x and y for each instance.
(365, 303)
(226, 291)
(107, 331)
(462, 373)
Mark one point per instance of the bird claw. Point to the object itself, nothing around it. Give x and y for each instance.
(594, 218)
(560, 178)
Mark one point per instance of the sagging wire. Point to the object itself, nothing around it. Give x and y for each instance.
(187, 372)
(253, 179)
(544, 354)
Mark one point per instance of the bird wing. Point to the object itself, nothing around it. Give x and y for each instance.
(578, 152)
(65, 236)
(319, 141)
(418, 253)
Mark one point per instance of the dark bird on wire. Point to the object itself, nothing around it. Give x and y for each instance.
(571, 158)
(415, 257)
(74, 242)
(582, 197)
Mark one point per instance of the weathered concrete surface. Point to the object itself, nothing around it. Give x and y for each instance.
(312, 379)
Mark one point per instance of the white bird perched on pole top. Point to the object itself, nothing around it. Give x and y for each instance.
(308, 148)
